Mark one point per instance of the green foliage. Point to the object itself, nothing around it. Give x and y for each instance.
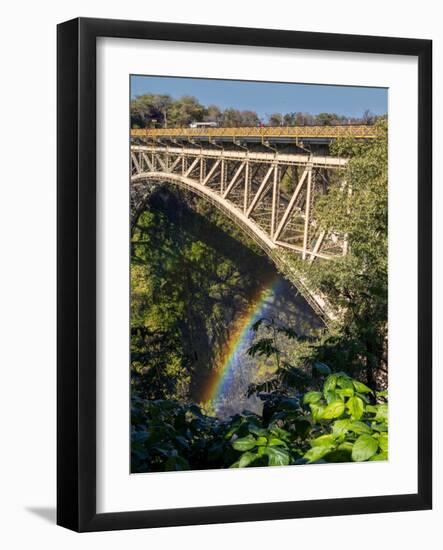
(154, 110)
(234, 118)
(299, 429)
(175, 340)
(169, 436)
(161, 110)
(286, 375)
(185, 111)
(149, 110)
(357, 284)
(348, 425)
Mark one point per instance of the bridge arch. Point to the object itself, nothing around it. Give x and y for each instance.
(252, 229)
(318, 302)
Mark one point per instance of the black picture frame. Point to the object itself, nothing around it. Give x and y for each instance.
(76, 296)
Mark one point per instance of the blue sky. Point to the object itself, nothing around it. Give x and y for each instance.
(268, 97)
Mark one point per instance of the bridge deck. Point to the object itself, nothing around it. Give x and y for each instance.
(261, 133)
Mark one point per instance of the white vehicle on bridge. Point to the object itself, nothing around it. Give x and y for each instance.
(203, 125)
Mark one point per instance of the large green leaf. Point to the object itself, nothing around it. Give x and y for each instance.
(246, 459)
(280, 433)
(330, 383)
(244, 443)
(379, 427)
(383, 441)
(364, 398)
(277, 456)
(382, 412)
(345, 382)
(345, 392)
(359, 427)
(324, 440)
(256, 430)
(341, 427)
(360, 387)
(275, 442)
(311, 397)
(355, 407)
(316, 453)
(365, 447)
(380, 456)
(331, 395)
(316, 410)
(333, 410)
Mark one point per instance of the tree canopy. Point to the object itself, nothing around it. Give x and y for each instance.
(161, 110)
(357, 284)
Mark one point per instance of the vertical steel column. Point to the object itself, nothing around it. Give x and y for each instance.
(201, 168)
(307, 212)
(274, 201)
(222, 176)
(247, 190)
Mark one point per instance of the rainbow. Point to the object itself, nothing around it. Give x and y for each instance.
(237, 343)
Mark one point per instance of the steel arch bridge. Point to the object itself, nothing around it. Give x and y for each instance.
(271, 196)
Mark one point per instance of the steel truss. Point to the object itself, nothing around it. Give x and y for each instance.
(271, 196)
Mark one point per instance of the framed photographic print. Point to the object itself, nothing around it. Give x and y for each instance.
(244, 274)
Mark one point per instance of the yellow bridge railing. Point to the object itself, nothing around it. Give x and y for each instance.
(327, 132)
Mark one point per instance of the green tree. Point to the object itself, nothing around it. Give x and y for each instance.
(213, 114)
(326, 119)
(150, 110)
(181, 248)
(276, 119)
(235, 118)
(186, 110)
(290, 119)
(356, 284)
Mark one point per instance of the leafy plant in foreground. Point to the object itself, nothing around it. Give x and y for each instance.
(345, 421)
(349, 423)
